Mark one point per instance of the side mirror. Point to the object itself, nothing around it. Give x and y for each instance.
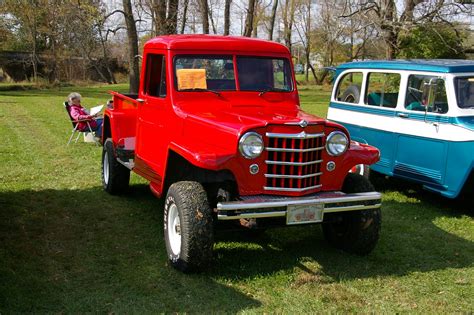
(429, 92)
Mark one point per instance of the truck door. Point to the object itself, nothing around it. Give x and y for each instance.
(422, 143)
(150, 143)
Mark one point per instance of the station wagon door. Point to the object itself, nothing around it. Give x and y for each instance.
(422, 142)
(369, 112)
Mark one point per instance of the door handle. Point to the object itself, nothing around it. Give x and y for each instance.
(402, 115)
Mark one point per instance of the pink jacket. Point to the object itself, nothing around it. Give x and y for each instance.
(78, 113)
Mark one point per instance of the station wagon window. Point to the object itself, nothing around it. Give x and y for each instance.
(414, 96)
(464, 87)
(382, 89)
(348, 89)
(155, 77)
(264, 74)
(204, 72)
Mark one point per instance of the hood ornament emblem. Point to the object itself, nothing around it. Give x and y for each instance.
(303, 123)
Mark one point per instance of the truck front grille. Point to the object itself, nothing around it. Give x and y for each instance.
(294, 161)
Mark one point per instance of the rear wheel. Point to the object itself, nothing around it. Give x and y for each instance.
(356, 232)
(115, 176)
(188, 227)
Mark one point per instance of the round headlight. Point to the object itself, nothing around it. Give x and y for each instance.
(251, 145)
(336, 143)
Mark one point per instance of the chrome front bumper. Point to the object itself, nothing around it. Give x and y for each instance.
(267, 206)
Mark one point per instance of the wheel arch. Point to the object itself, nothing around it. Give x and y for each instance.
(178, 168)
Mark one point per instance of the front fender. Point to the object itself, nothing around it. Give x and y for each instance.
(203, 155)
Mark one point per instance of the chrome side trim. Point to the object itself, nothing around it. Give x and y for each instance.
(292, 176)
(301, 135)
(293, 163)
(294, 150)
(291, 189)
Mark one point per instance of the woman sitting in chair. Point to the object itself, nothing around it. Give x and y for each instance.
(83, 117)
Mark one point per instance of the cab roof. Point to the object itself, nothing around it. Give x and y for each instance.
(433, 65)
(215, 42)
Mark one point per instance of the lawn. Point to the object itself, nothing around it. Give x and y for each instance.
(66, 246)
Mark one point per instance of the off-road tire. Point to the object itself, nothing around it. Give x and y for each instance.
(351, 94)
(356, 232)
(115, 176)
(188, 202)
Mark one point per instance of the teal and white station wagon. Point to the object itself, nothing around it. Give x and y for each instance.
(418, 113)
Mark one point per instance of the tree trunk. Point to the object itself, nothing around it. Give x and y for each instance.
(227, 16)
(159, 14)
(172, 19)
(204, 16)
(308, 38)
(390, 33)
(185, 13)
(214, 29)
(134, 73)
(249, 19)
(272, 20)
(288, 17)
(111, 76)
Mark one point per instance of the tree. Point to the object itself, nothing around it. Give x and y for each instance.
(28, 17)
(304, 32)
(249, 19)
(164, 15)
(431, 41)
(132, 36)
(227, 16)
(204, 8)
(391, 25)
(272, 20)
(288, 16)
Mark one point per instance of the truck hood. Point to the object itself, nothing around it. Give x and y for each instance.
(239, 119)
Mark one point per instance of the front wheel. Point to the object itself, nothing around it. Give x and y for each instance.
(361, 169)
(188, 227)
(115, 176)
(356, 232)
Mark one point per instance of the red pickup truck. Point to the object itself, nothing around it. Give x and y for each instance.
(218, 130)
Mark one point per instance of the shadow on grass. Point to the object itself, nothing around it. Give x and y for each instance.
(410, 241)
(85, 251)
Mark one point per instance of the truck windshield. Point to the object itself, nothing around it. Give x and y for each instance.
(264, 74)
(215, 73)
(464, 87)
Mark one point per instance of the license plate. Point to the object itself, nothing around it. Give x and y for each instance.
(301, 214)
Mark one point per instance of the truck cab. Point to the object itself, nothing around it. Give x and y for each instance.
(217, 130)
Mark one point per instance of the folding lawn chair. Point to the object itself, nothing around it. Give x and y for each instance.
(75, 124)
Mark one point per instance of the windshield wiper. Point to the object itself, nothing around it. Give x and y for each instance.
(200, 90)
(271, 90)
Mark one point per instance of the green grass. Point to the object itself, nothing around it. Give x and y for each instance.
(66, 246)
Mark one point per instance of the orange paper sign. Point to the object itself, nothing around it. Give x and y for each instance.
(191, 79)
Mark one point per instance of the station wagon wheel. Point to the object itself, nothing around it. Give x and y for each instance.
(351, 94)
(356, 232)
(115, 176)
(188, 227)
